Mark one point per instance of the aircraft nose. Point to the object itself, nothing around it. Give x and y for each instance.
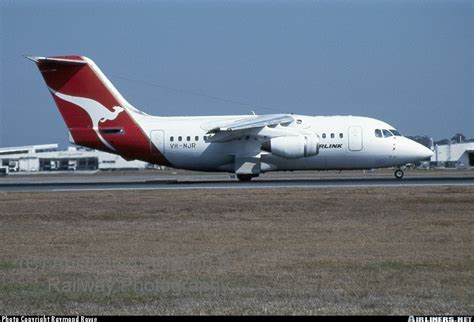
(425, 152)
(421, 152)
(411, 151)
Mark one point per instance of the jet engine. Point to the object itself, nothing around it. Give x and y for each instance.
(293, 147)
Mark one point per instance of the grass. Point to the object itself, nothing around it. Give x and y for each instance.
(282, 251)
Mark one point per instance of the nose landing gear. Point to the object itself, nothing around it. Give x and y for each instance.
(399, 173)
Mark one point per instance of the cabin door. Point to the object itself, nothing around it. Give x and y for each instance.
(355, 138)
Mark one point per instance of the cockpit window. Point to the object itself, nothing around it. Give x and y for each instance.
(387, 133)
(378, 133)
(395, 132)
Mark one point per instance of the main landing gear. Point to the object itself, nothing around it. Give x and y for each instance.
(244, 177)
(398, 173)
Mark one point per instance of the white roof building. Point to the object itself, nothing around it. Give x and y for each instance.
(48, 157)
(457, 154)
(28, 149)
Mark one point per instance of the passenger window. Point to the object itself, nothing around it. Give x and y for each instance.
(204, 138)
(332, 135)
(196, 138)
(324, 135)
(180, 138)
(378, 133)
(188, 138)
(171, 139)
(341, 135)
(387, 133)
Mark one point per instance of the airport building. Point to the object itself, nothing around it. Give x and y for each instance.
(454, 155)
(48, 157)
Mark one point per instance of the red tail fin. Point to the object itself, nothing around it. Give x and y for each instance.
(95, 113)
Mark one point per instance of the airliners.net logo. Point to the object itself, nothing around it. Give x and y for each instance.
(440, 319)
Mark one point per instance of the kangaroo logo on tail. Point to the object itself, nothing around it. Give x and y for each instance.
(97, 112)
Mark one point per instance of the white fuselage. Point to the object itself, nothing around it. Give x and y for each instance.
(345, 142)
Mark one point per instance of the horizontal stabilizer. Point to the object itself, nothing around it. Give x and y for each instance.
(65, 61)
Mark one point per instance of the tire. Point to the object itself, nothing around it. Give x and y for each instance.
(398, 173)
(244, 177)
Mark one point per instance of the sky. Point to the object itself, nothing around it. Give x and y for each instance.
(409, 63)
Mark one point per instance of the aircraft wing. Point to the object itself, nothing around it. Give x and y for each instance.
(256, 126)
(253, 122)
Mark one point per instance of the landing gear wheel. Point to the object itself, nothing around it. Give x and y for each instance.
(244, 177)
(398, 173)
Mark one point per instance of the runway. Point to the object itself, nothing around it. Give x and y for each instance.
(88, 184)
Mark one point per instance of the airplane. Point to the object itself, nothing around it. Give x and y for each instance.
(99, 117)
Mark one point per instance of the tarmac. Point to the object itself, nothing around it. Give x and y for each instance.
(182, 180)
